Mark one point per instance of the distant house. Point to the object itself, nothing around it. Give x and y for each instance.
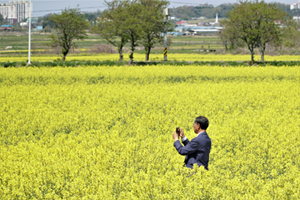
(24, 24)
(296, 18)
(6, 27)
(182, 23)
(174, 33)
(206, 31)
(199, 30)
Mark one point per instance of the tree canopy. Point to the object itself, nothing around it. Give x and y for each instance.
(153, 23)
(111, 26)
(257, 24)
(132, 21)
(69, 25)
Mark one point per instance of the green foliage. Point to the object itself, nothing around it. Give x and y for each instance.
(9, 64)
(111, 25)
(133, 15)
(139, 21)
(254, 23)
(69, 25)
(153, 23)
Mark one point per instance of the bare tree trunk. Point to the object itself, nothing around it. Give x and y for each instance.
(119, 46)
(251, 49)
(232, 47)
(225, 45)
(262, 49)
(65, 52)
(148, 47)
(148, 53)
(131, 54)
(262, 56)
(132, 49)
(131, 59)
(121, 53)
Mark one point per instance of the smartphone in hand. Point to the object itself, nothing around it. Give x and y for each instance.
(178, 131)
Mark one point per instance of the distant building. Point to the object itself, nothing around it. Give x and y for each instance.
(6, 27)
(295, 6)
(207, 31)
(199, 30)
(296, 18)
(15, 11)
(182, 23)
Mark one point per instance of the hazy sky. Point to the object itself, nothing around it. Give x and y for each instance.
(43, 7)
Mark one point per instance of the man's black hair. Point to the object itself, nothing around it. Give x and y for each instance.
(203, 121)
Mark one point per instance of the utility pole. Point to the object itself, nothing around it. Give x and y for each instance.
(29, 40)
(166, 14)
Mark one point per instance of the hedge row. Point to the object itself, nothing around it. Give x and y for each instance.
(124, 63)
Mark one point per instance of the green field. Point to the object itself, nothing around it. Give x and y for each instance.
(180, 44)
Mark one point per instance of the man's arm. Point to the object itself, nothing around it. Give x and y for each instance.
(190, 147)
(185, 141)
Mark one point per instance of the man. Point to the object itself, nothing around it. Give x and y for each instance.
(197, 150)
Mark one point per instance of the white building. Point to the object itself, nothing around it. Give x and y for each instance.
(15, 11)
(295, 6)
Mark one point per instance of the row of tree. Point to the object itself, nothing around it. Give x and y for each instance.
(256, 24)
(124, 21)
(136, 22)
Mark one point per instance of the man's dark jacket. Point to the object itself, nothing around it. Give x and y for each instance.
(197, 150)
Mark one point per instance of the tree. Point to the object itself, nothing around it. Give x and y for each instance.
(111, 25)
(69, 25)
(152, 23)
(254, 23)
(269, 31)
(242, 21)
(134, 22)
(134, 26)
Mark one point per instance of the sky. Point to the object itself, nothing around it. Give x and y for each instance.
(43, 7)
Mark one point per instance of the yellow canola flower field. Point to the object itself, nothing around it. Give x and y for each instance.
(153, 57)
(106, 132)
